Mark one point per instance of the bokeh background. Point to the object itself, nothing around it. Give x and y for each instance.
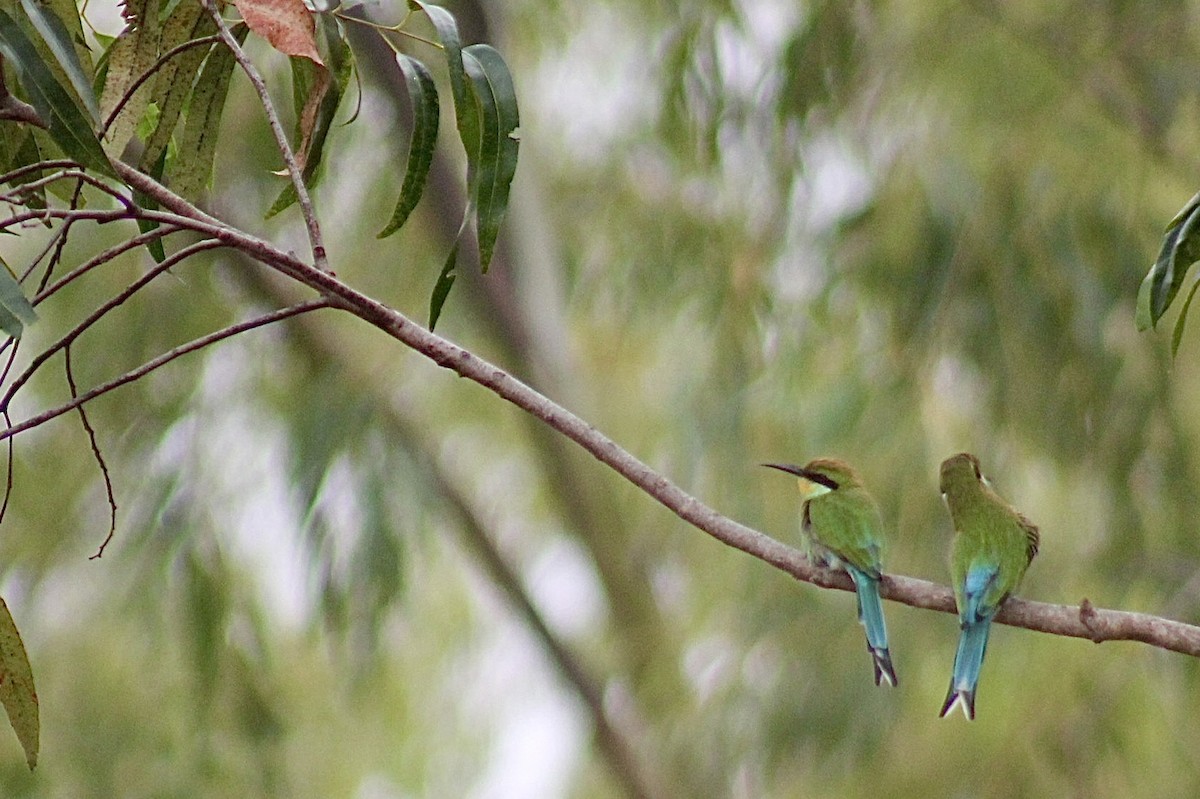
(740, 232)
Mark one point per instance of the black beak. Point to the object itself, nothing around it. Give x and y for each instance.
(787, 467)
(807, 474)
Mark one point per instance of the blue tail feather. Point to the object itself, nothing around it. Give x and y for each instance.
(968, 660)
(870, 614)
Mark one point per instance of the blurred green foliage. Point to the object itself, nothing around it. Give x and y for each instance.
(740, 232)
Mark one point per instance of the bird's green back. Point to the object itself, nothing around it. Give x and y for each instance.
(988, 531)
(847, 522)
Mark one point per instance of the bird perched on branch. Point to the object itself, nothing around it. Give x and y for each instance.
(993, 546)
(843, 530)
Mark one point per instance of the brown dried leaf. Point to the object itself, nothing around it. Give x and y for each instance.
(286, 24)
(308, 115)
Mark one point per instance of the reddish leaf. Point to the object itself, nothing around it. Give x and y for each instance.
(286, 24)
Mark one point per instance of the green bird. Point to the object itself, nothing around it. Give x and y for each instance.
(993, 546)
(843, 530)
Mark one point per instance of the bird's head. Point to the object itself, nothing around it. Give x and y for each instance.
(959, 471)
(820, 476)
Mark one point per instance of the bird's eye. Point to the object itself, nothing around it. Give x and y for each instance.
(824, 479)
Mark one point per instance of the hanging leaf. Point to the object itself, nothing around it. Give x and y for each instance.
(17, 692)
(1177, 335)
(130, 56)
(441, 289)
(173, 83)
(423, 100)
(18, 311)
(155, 246)
(189, 176)
(287, 24)
(1180, 249)
(59, 40)
(68, 125)
(465, 114)
(496, 163)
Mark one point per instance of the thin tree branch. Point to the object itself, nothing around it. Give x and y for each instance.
(40, 166)
(73, 174)
(1076, 621)
(320, 260)
(112, 252)
(96, 453)
(162, 360)
(99, 313)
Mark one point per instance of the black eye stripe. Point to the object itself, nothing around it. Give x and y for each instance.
(824, 480)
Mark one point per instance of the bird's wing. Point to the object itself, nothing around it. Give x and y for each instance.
(1032, 537)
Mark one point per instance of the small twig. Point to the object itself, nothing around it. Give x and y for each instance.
(69, 214)
(320, 260)
(38, 258)
(8, 472)
(103, 258)
(40, 166)
(95, 316)
(162, 360)
(91, 434)
(72, 173)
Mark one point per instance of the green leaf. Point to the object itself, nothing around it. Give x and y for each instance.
(58, 39)
(1142, 318)
(173, 83)
(496, 163)
(189, 176)
(21, 149)
(155, 247)
(14, 303)
(1180, 249)
(423, 99)
(68, 125)
(131, 56)
(465, 113)
(17, 692)
(441, 289)
(1177, 336)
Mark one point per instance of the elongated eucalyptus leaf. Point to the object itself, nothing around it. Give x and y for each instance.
(189, 175)
(441, 289)
(496, 161)
(17, 692)
(13, 300)
(155, 247)
(423, 99)
(69, 127)
(173, 83)
(465, 114)
(1180, 249)
(131, 56)
(59, 40)
(1181, 322)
